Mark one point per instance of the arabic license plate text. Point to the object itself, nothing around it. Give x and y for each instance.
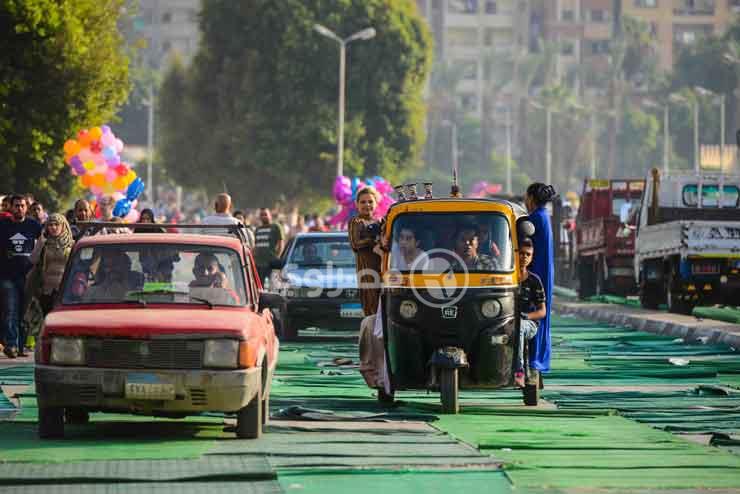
(351, 311)
(148, 387)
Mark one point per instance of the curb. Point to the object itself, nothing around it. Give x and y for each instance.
(705, 331)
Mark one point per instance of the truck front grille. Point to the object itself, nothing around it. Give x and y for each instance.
(144, 354)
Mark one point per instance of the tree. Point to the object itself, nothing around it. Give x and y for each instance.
(262, 92)
(64, 68)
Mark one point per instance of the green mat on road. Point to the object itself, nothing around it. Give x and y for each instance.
(209, 467)
(213, 487)
(19, 375)
(392, 482)
(726, 314)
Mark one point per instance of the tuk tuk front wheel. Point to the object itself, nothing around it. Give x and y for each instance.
(531, 394)
(448, 387)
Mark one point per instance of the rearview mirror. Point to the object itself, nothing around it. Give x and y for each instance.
(526, 228)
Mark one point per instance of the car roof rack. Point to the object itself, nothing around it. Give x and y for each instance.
(238, 230)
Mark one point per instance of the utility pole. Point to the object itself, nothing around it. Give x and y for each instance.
(508, 150)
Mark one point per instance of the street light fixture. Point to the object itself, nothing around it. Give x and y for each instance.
(453, 146)
(721, 98)
(692, 103)
(666, 131)
(364, 35)
(548, 139)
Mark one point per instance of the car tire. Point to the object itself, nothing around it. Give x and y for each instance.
(51, 422)
(249, 418)
(77, 416)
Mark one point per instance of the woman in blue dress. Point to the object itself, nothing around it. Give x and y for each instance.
(536, 199)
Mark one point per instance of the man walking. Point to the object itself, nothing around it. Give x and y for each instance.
(223, 216)
(269, 239)
(17, 239)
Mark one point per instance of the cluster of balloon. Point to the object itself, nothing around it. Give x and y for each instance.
(484, 189)
(94, 158)
(345, 194)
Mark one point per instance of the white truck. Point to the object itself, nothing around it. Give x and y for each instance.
(687, 249)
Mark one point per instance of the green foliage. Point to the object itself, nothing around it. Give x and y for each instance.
(519, 179)
(638, 141)
(64, 68)
(257, 109)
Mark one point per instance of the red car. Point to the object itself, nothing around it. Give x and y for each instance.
(160, 324)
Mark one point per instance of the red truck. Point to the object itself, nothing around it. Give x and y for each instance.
(605, 236)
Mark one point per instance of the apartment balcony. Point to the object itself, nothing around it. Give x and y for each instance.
(597, 30)
(500, 20)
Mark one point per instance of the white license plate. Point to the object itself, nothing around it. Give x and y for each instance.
(148, 387)
(352, 311)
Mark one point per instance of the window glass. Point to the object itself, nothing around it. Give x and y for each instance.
(155, 273)
(322, 252)
(437, 243)
(710, 196)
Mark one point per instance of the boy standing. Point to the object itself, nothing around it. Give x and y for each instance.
(531, 304)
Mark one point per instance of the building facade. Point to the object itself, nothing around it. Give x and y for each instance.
(165, 28)
(676, 23)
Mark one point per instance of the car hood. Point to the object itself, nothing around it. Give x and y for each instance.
(148, 322)
(322, 278)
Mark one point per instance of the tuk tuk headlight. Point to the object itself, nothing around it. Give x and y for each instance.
(490, 308)
(223, 354)
(408, 309)
(67, 351)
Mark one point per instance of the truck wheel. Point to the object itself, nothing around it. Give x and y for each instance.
(448, 382)
(675, 304)
(249, 418)
(585, 280)
(649, 297)
(77, 416)
(599, 281)
(51, 422)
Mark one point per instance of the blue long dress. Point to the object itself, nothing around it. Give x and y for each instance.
(544, 267)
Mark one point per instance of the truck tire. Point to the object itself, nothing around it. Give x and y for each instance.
(585, 279)
(675, 304)
(649, 296)
(599, 279)
(249, 418)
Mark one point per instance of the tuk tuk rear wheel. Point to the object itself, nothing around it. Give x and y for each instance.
(448, 387)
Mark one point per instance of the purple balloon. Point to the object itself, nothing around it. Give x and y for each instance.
(105, 129)
(79, 168)
(75, 161)
(115, 160)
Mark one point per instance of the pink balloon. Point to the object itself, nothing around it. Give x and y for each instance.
(132, 216)
(118, 196)
(108, 140)
(96, 190)
(98, 159)
(119, 145)
(110, 175)
(86, 155)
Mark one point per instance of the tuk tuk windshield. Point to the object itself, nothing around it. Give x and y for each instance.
(440, 242)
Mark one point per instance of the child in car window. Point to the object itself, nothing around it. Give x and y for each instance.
(531, 305)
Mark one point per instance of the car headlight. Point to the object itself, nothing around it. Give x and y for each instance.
(67, 351)
(490, 308)
(222, 354)
(408, 309)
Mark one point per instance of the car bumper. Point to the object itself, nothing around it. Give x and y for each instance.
(326, 314)
(105, 389)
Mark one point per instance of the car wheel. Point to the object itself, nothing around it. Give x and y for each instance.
(249, 418)
(51, 422)
(77, 416)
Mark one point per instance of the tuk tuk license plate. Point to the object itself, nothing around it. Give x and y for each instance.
(351, 311)
(148, 387)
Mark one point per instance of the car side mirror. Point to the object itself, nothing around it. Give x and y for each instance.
(277, 264)
(525, 228)
(270, 301)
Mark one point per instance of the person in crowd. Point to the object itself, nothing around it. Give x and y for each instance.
(69, 215)
(318, 225)
(536, 199)
(407, 252)
(467, 242)
(82, 214)
(111, 279)
(17, 240)
(5, 208)
(269, 242)
(239, 215)
(205, 268)
(364, 231)
(146, 216)
(49, 257)
(223, 215)
(36, 211)
(300, 226)
(531, 304)
(107, 204)
(311, 256)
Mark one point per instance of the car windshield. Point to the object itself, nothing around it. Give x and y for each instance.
(438, 243)
(320, 252)
(155, 273)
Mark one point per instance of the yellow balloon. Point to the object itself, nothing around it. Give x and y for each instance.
(96, 133)
(98, 180)
(108, 188)
(130, 177)
(89, 165)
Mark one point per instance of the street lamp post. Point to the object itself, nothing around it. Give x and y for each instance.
(508, 150)
(365, 34)
(695, 106)
(548, 139)
(666, 131)
(453, 145)
(706, 92)
(150, 144)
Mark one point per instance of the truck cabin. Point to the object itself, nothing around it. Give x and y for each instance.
(610, 199)
(692, 197)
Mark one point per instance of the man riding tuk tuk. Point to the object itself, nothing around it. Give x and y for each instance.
(448, 305)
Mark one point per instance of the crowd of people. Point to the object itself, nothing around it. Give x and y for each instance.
(35, 246)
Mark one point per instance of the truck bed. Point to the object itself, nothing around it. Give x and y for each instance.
(689, 238)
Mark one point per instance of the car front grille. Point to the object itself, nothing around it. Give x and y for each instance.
(144, 354)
